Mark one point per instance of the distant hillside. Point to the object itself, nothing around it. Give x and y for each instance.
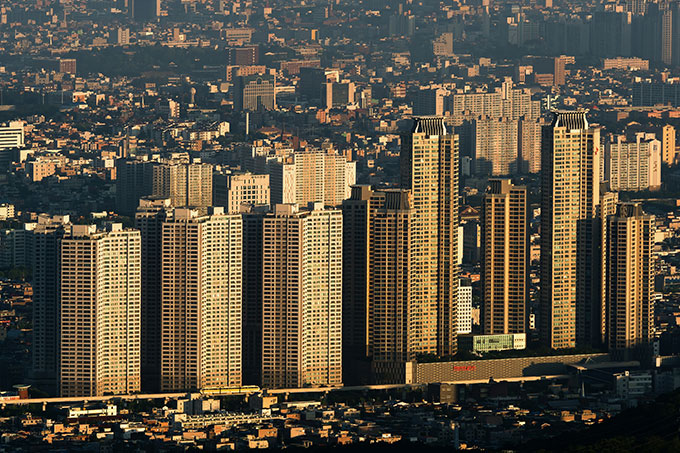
(650, 428)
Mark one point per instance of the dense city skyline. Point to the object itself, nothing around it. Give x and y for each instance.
(310, 223)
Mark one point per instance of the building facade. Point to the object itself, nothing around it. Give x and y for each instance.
(504, 274)
(201, 290)
(633, 166)
(312, 176)
(569, 204)
(302, 297)
(232, 191)
(99, 286)
(429, 169)
(630, 277)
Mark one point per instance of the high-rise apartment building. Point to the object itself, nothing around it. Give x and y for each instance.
(529, 131)
(630, 285)
(149, 219)
(505, 248)
(559, 71)
(134, 180)
(668, 144)
(312, 176)
(507, 102)
(429, 168)
(633, 166)
(253, 217)
(45, 267)
(232, 191)
(377, 282)
(430, 101)
(607, 208)
(186, 184)
(201, 290)
(337, 94)
(99, 286)
(302, 297)
(313, 81)
(500, 129)
(569, 235)
(496, 146)
(243, 56)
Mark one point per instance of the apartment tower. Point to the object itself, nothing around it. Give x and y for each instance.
(504, 258)
(631, 277)
(45, 239)
(201, 289)
(100, 311)
(312, 176)
(569, 237)
(302, 297)
(429, 168)
(149, 219)
(377, 277)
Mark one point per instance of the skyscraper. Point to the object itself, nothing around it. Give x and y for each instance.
(253, 217)
(302, 297)
(504, 258)
(186, 184)
(630, 277)
(311, 176)
(668, 144)
(45, 256)
(200, 299)
(100, 311)
(570, 198)
(149, 221)
(429, 168)
(633, 166)
(377, 283)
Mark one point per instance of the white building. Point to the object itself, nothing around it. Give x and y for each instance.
(12, 135)
(633, 166)
(464, 308)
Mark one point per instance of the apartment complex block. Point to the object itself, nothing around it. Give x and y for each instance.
(302, 297)
(429, 169)
(312, 176)
(504, 275)
(201, 279)
(630, 277)
(633, 166)
(99, 311)
(569, 239)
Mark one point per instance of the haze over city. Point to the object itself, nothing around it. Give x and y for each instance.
(339, 225)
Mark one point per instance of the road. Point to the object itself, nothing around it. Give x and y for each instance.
(358, 388)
